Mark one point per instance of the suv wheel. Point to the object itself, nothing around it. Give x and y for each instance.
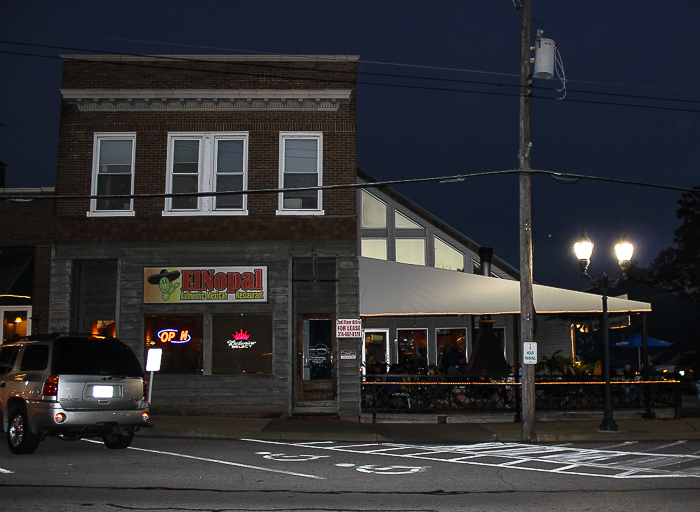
(117, 441)
(20, 438)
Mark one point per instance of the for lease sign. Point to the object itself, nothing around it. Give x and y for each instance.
(348, 328)
(204, 284)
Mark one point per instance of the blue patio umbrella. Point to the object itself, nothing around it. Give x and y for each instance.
(635, 341)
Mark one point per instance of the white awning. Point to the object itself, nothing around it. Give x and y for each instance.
(388, 288)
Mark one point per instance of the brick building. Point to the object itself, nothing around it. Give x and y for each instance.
(25, 260)
(240, 290)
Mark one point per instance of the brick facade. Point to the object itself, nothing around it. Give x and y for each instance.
(28, 224)
(152, 128)
(153, 97)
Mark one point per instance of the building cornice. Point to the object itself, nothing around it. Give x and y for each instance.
(101, 100)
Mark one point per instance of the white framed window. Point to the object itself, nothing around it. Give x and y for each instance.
(301, 165)
(112, 174)
(16, 322)
(207, 162)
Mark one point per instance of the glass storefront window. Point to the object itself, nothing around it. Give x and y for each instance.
(448, 258)
(373, 212)
(15, 323)
(180, 337)
(242, 343)
(413, 350)
(410, 250)
(375, 352)
(451, 347)
(103, 327)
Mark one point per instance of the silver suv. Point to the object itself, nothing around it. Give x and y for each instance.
(70, 386)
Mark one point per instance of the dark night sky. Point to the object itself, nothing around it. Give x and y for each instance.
(646, 48)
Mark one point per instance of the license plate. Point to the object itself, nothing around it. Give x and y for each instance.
(102, 391)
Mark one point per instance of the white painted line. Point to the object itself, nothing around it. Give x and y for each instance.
(668, 445)
(216, 461)
(607, 447)
(6, 471)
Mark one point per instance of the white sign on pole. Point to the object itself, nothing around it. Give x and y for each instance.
(529, 353)
(153, 359)
(348, 328)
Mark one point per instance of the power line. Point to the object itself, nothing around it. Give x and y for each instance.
(360, 82)
(381, 63)
(444, 179)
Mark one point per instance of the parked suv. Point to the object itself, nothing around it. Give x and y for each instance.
(70, 386)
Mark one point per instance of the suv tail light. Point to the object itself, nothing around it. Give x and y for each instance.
(50, 386)
(145, 389)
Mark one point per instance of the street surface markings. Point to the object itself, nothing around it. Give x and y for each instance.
(216, 461)
(290, 458)
(559, 459)
(668, 445)
(6, 471)
(384, 470)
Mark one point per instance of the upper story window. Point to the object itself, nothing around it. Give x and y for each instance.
(207, 162)
(403, 222)
(373, 212)
(113, 174)
(410, 250)
(448, 257)
(373, 248)
(301, 165)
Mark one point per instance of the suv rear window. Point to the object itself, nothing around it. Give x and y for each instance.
(84, 356)
(35, 358)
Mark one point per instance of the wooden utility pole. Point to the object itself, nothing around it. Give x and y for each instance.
(527, 307)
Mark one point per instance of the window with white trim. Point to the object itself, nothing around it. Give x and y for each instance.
(207, 162)
(301, 165)
(113, 174)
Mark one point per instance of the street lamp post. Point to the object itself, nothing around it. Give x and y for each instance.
(624, 249)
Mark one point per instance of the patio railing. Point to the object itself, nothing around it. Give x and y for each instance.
(415, 394)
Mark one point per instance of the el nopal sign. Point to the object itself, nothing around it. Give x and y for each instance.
(348, 328)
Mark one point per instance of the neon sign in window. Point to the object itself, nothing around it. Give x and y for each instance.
(174, 336)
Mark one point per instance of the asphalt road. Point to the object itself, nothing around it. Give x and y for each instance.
(158, 474)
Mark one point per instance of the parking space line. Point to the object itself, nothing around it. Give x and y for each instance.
(217, 461)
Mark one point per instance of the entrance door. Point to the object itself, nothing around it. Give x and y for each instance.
(316, 364)
(375, 358)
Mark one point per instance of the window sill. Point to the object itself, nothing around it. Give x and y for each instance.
(299, 212)
(215, 213)
(112, 213)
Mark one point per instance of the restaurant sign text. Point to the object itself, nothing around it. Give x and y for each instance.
(204, 284)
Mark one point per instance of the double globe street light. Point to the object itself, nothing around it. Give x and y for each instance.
(624, 250)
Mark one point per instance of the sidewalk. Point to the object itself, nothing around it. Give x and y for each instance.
(581, 430)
